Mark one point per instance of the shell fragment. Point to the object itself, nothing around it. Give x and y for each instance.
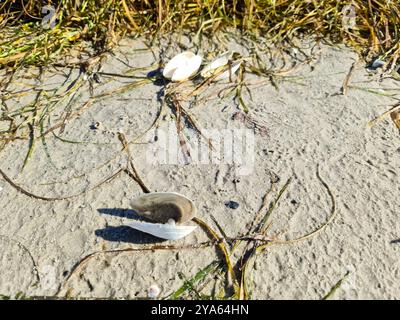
(212, 68)
(221, 67)
(163, 231)
(230, 72)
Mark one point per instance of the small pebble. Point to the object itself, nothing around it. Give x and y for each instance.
(95, 125)
(232, 204)
(377, 64)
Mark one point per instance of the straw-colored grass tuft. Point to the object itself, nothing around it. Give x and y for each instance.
(34, 32)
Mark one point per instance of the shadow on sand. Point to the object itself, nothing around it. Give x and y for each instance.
(123, 233)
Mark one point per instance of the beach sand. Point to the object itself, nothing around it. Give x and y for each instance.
(303, 123)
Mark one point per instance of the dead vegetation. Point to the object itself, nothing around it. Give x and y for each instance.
(34, 32)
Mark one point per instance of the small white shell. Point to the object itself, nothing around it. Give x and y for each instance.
(182, 66)
(154, 291)
(210, 69)
(163, 231)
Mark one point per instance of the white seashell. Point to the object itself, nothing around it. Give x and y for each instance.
(230, 72)
(210, 69)
(166, 209)
(182, 66)
(161, 207)
(163, 231)
(154, 291)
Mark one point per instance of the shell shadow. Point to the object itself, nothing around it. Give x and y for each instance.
(120, 212)
(124, 233)
(159, 79)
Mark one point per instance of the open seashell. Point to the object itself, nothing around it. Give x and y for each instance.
(212, 68)
(161, 207)
(165, 209)
(163, 231)
(182, 66)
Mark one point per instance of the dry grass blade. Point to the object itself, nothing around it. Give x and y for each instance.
(251, 249)
(79, 266)
(29, 194)
(128, 14)
(132, 172)
(32, 141)
(393, 109)
(345, 87)
(332, 215)
(335, 287)
(25, 249)
(263, 226)
(232, 275)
